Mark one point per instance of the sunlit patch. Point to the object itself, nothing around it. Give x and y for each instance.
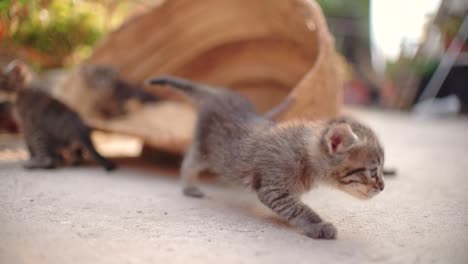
(8, 155)
(12, 148)
(113, 145)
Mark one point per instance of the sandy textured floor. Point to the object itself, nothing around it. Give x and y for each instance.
(132, 216)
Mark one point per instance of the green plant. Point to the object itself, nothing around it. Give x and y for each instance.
(48, 32)
(358, 9)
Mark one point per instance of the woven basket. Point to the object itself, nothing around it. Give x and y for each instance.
(265, 49)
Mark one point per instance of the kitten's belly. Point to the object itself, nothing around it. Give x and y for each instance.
(234, 170)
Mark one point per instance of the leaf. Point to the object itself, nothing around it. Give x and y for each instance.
(4, 6)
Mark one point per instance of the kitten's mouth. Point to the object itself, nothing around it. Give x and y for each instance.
(371, 193)
(364, 196)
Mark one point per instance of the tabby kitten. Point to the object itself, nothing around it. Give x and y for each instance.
(279, 161)
(287, 103)
(116, 96)
(49, 126)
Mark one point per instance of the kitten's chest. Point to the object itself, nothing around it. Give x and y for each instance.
(28, 109)
(20, 116)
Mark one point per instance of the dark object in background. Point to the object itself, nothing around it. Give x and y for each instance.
(389, 172)
(125, 90)
(7, 120)
(156, 156)
(456, 83)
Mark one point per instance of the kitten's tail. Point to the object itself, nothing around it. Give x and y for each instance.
(274, 113)
(88, 144)
(195, 90)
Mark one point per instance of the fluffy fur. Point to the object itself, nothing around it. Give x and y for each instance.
(279, 161)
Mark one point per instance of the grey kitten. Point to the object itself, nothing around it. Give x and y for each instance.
(49, 126)
(279, 161)
(287, 102)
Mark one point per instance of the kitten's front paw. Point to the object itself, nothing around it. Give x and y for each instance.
(321, 231)
(110, 166)
(193, 192)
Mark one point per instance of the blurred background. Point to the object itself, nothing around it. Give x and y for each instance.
(392, 48)
(404, 55)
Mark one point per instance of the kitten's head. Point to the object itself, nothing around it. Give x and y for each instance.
(13, 77)
(357, 158)
(99, 76)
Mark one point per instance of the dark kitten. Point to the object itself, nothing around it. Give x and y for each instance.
(116, 95)
(279, 161)
(49, 126)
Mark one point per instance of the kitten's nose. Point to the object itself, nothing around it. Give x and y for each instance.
(381, 185)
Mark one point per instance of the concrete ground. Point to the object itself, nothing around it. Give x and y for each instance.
(84, 215)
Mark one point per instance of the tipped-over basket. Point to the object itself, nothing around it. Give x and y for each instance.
(265, 49)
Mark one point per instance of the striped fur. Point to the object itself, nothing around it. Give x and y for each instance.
(49, 126)
(279, 161)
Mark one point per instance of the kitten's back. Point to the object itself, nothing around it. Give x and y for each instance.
(38, 109)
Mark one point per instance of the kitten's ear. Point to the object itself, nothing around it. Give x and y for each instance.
(17, 71)
(340, 138)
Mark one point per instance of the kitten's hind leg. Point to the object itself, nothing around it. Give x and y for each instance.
(190, 170)
(289, 207)
(30, 149)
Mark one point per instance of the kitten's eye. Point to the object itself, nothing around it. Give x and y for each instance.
(355, 171)
(373, 174)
